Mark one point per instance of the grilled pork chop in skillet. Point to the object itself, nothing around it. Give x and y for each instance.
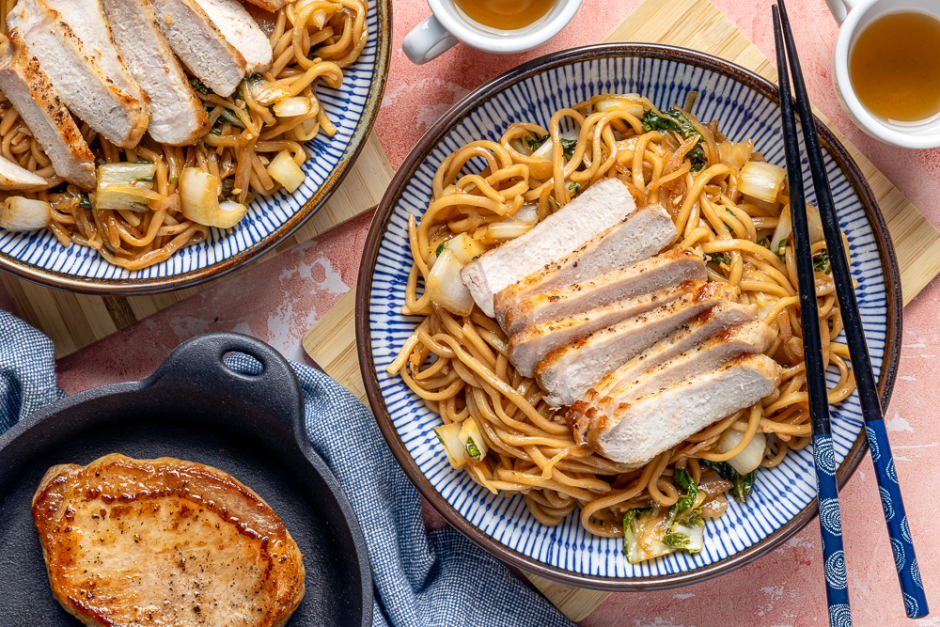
(164, 542)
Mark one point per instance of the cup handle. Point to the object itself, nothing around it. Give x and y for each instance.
(840, 8)
(427, 41)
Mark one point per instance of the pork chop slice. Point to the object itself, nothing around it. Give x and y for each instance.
(200, 45)
(79, 80)
(240, 30)
(177, 115)
(715, 320)
(568, 372)
(746, 339)
(639, 430)
(88, 21)
(529, 347)
(665, 270)
(13, 177)
(32, 95)
(641, 235)
(600, 207)
(164, 542)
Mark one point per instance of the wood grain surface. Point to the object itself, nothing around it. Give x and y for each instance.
(699, 25)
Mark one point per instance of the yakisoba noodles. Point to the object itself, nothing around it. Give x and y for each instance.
(312, 42)
(459, 365)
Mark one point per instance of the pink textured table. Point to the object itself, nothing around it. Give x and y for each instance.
(278, 301)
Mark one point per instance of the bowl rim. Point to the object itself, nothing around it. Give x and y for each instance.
(890, 273)
(132, 286)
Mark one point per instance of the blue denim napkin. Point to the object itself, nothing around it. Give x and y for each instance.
(420, 579)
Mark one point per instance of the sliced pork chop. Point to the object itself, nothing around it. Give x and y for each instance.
(600, 207)
(720, 317)
(177, 115)
(641, 235)
(164, 542)
(570, 371)
(670, 268)
(269, 5)
(80, 82)
(13, 177)
(240, 30)
(200, 45)
(643, 428)
(35, 99)
(87, 20)
(528, 348)
(746, 339)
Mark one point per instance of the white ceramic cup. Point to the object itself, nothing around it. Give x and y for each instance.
(854, 16)
(449, 24)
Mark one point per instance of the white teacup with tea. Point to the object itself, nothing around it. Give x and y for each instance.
(887, 68)
(500, 26)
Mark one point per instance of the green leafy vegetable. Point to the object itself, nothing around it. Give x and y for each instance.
(85, 202)
(575, 189)
(675, 540)
(568, 146)
(215, 131)
(719, 258)
(174, 180)
(781, 249)
(684, 480)
(440, 248)
(676, 121)
(199, 86)
(472, 450)
(628, 533)
(313, 54)
(742, 485)
(765, 243)
(535, 144)
(821, 262)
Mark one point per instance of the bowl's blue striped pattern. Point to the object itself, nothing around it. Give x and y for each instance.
(346, 107)
(779, 494)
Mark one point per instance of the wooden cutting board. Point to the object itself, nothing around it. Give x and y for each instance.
(696, 24)
(74, 321)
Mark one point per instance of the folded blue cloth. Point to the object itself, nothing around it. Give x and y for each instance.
(420, 579)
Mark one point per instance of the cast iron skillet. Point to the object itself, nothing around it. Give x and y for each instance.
(194, 408)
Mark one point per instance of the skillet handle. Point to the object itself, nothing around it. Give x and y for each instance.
(198, 363)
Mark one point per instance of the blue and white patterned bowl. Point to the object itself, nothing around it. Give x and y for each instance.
(784, 498)
(353, 107)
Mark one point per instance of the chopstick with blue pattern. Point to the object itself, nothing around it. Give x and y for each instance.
(837, 588)
(915, 602)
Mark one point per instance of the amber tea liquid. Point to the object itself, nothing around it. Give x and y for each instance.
(894, 67)
(505, 14)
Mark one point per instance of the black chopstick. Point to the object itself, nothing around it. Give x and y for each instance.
(837, 590)
(915, 602)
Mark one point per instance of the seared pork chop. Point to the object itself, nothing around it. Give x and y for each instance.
(35, 99)
(603, 205)
(641, 235)
(164, 542)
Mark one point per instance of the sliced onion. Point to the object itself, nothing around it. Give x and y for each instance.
(465, 248)
(446, 288)
(508, 229)
(286, 172)
(449, 437)
(814, 221)
(753, 454)
(761, 180)
(125, 186)
(783, 230)
(199, 196)
(292, 107)
(735, 154)
(631, 103)
(20, 214)
(528, 214)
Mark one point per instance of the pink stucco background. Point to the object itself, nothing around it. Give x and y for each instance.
(279, 300)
